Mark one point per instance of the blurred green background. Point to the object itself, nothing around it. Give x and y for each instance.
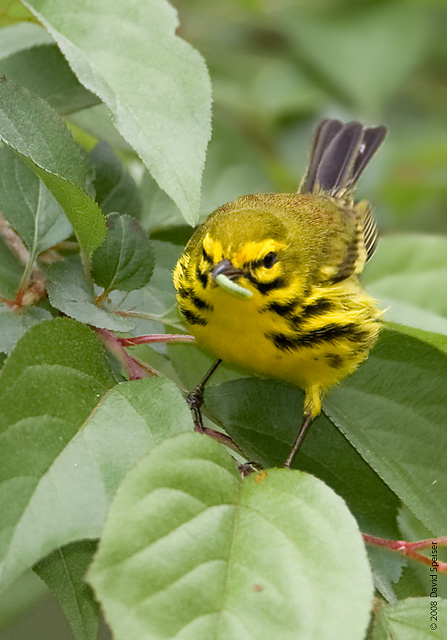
(277, 67)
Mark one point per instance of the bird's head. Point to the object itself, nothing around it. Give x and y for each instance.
(264, 246)
(256, 245)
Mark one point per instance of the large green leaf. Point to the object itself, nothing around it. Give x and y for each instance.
(55, 376)
(14, 325)
(73, 492)
(155, 84)
(28, 206)
(35, 131)
(392, 410)
(63, 572)
(438, 340)
(226, 557)
(69, 292)
(263, 416)
(411, 620)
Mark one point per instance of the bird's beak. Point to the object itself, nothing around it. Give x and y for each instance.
(225, 274)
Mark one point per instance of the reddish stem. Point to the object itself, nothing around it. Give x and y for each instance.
(408, 549)
(171, 338)
(134, 370)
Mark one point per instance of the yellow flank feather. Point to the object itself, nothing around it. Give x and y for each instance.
(295, 259)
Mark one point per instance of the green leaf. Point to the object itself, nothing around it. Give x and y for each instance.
(43, 70)
(28, 206)
(244, 549)
(263, 416)
(14, 325)
(162, 108)
(125, 260)
(35, 131)
(69, 292)
(409, 273)
(410, 620)
(63, 572)
(339, 47)
(22, 35)
(53, 379)
(396, 401)
(115, 188)
(438, 340)
(74, 492)
(158, 297)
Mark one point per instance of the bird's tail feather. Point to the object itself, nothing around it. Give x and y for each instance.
(339, 155)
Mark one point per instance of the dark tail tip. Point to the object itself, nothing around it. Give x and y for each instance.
(339, 155)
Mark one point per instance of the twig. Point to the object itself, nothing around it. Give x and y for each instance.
(32, 284)
(134, 370)
(170, 338)
(409, 549)
(14, 241)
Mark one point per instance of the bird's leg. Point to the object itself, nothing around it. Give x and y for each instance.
(308, 419)
(195, 398)
(195, 402)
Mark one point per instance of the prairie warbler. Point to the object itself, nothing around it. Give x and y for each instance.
(271, 282)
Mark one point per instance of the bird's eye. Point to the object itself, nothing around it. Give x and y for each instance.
(270, 260)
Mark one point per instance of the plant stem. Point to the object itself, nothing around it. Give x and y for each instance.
(24, 282)
(134, 370)
(409, 549)
(102, 297)
(170, 338)
(26, 294)
(13, 241)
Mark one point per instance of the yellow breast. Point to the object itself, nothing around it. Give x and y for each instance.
(312, 351)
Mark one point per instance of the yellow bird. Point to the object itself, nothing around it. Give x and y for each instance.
(271, 282)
